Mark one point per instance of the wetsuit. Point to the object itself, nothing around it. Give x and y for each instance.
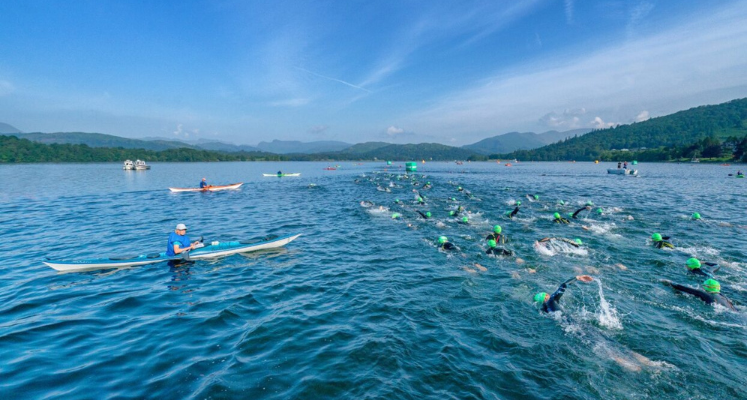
(552, 305)
(497, 251)
(579, 210)
(709, 298)
(512, 213)
(569, 241)
(449, 246)
(497, 237)
(702, 271)
(561, 220)
(422, 214)
(661, 244)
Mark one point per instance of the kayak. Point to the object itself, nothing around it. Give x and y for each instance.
(209, 188)
(210, 250)
(282, 175)
(740, 176)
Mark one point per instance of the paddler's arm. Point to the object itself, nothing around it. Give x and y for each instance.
(178, 250)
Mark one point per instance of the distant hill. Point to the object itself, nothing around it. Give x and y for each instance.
(362, 148)
(5, 128)
(394, 152)
(680, 129)
(225, 147)
(294, 146)
(101, 140)
(513, 141)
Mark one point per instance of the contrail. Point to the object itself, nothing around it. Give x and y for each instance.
(334, 79)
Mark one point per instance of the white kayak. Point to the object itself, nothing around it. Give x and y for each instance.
(210, 250)
(622, 171)
(209, 188)
(282, 175)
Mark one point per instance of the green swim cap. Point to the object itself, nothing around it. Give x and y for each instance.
(536, 197)
(497, 229)
(589, 203)
(696, 216)
(396, 200)
(656, 237)
(556, 215)
(459, 188)
(442, 239)
(492, 243)
(395, 215)
(599, 210)
(465, 219)
(578, 241)
(420, 199)
(712, 286)
(451, 213)
(427, 183)
(518, 202)
(453, 199)
(428, 214)
(692, 263)
(540, 297)
(561, 202)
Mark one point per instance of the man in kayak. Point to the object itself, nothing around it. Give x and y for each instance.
(204, 184)
(660, 242)
(694, 268)
(179, 241)
(711, 293)
(280, 173)
(549, 302)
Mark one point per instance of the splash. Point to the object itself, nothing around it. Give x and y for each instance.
(607, 314)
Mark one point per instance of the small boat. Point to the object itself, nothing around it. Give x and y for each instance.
(694, 160)
(210, 250)
(622, 171)
(140, 165)
(209, 188)
(128, 165)
(282, 175)
(330, 169)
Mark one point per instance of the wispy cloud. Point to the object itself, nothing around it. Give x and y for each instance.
(297, 102)
(568, 11)
(659, 72)
(334, 79)
(637, 14)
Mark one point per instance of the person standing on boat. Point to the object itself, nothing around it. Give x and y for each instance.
(204, 184)
(179, 241)
(619, 165)
(625, 165)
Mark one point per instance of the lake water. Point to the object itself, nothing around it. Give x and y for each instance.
(363, 305)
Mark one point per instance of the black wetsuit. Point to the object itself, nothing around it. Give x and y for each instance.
(578, 211)
(513, 213)
(663, 243)
(552, 305)
(709, 298)
(497, 237)
(561, 220)
(702, 271)
(449, 246)
(421, 214)
(497, 251)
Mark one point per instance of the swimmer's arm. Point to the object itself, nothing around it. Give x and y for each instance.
(695, 292)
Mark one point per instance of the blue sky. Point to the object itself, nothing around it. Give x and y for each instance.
(452, 72)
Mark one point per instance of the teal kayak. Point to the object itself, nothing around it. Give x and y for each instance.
(209, 250)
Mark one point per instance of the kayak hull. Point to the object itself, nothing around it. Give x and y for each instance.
(283, 175)
(209, 251)
(209, 189)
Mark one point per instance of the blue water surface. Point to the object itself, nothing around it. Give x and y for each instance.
(363, 305)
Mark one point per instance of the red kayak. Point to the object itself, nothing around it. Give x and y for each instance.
(209, 188)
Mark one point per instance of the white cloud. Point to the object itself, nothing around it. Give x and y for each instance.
(568, 119)
(642, 116)
(569, 11)
(394, 131)
(662, 71)
(598, 123)
(318, 130)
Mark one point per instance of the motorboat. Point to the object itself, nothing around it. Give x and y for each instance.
(128, 165)
(140, 165)
(622, 171)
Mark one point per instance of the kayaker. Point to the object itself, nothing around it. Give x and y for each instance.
(618, 165)
(559, 220)
(711, 293)
(694, 267)
(204, 184)
(625, 165)
(661, 242)
(549, 302)
(493, 249)
(179, 241)
(280, 173)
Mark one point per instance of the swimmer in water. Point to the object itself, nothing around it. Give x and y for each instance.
(511, 214)
(710, 294)
(660, 242)
(694, 268)
(366, 203)
(496, 235)
(586, 207)
(559, 220)
(549, 302)
(575, 242)
(493, 249)
(426, 215)
(533, 197)
(696, 217)
(443, 243)
(456, 212)
(463, 221)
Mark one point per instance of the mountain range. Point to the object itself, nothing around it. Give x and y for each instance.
(513, 141)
